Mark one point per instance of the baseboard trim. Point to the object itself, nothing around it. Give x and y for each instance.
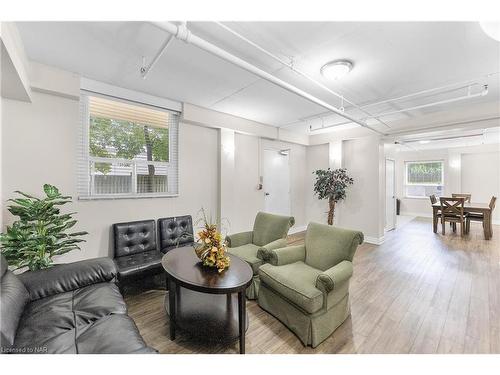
(294, 230)
(375, 240)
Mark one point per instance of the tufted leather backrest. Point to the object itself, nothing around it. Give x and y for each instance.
(134, 237)
(175, 231)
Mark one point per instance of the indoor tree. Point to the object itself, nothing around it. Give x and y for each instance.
(332, 185)
(41, 231)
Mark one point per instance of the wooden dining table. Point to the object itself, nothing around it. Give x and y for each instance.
(482, 208)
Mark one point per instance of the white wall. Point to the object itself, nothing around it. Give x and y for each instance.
(480, 176)
(473, 169)
(364, 207)
(317, 158)
(38, 146)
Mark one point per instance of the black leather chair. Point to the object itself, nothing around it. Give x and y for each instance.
(175, 232)
(135, 251)
(68, 308)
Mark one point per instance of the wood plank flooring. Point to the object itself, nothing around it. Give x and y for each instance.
(419, 292)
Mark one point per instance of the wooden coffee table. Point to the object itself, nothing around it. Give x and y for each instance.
(203, 302)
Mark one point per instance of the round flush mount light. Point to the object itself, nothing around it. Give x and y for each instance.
(492, 29)
(336, 69)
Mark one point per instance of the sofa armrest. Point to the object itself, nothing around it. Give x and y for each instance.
(264, 251)
(239, 239)
(67, 277)
(286, 255)
(329, 279)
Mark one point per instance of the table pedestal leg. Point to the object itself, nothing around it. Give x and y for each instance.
(241, 320)
(171, 302)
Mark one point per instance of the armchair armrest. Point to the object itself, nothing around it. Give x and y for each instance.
(286, 255)
(264, 251)
(329, 279)
(239, 239)
(67, 277)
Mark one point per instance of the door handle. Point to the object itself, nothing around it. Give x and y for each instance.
(266, 193)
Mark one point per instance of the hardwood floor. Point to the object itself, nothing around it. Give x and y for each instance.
(419, 292)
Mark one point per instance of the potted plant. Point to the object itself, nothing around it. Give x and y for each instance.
(332, 185)
(41, 231)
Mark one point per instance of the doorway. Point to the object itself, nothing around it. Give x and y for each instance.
(276, 181)
(390, 194)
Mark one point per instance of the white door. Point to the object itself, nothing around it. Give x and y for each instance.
(276, 182)
(390, 195)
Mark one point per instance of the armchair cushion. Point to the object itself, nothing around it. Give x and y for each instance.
(327, 246)
(269, 227)
(264, 251)
(334, 276)
(248, 253)
(284, 255)
(67, 277)
(239, 239)
(295, 282)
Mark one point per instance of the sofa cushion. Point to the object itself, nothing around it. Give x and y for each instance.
(248, 253)
(175, 231)
(111, 334)
(295, 282)
(13, 299)
(54, 322)
(269, 227)
(134, 264)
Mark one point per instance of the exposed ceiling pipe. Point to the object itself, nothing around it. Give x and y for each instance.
(464, 97)
(468, 96)
(291, 66)
(146, 69)
(449, 88)
(183, 33)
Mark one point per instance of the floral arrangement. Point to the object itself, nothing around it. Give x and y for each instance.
(211, 247)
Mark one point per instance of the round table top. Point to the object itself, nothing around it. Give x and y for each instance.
(186, 269)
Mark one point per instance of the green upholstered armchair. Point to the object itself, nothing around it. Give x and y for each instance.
(269, 232)
(307, 286)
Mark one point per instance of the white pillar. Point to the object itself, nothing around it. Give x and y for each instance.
(226, 193)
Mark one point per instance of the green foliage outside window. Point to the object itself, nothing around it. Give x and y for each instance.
(109, 138)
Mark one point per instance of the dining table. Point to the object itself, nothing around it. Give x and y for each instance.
(482, 208)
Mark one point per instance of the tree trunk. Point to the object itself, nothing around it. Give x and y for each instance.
(331, 211)
(151, 168)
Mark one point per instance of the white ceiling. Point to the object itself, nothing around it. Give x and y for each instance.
(390, 59)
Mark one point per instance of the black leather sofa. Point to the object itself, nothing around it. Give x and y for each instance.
(175, 232)
(69, 308)
(136, 254)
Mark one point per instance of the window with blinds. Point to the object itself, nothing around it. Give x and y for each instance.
(424, 178)
(126, 149)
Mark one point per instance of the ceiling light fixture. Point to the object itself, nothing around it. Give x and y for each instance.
(424, 141)
(492, 29)
(336, 69)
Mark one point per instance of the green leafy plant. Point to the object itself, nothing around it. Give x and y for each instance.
(332, 185)
(41, 231)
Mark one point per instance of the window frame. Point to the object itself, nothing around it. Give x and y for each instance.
(87, 159)
(407, 183)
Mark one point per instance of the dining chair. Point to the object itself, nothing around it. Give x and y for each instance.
(452, 211)
(466, 196)
(476, 216)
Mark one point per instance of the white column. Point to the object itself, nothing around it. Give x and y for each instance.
(226, 193)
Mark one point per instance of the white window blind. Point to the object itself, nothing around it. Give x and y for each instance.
(126, 149)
